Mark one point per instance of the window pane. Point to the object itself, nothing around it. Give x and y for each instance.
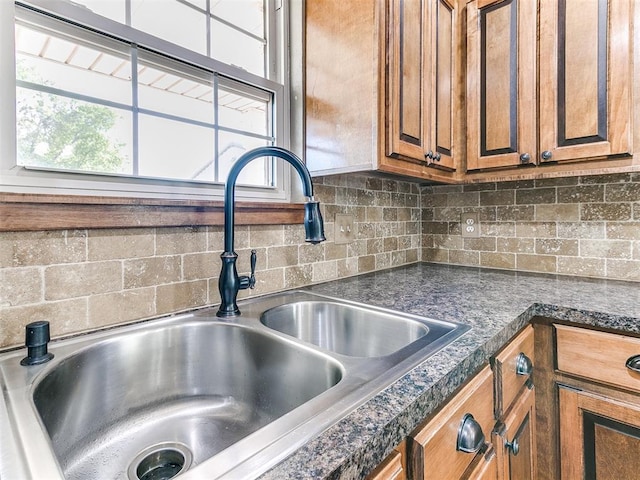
(246, 14)
(231, 147)
(162, 90)
(170, 149)
(63, 133)
(171, 21)
(74, 66)
(236, 48)
(243, 112)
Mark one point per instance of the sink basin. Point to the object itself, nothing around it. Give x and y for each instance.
(348, 329)
(200, 396)
(193, 389)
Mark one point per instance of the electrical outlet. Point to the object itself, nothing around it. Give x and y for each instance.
(470, 225)
(344, 229)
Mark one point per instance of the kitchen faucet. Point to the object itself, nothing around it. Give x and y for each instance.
(230, 282)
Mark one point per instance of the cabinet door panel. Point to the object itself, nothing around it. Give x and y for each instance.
(585, 78)
(599, 437)
(501, 90)
(406, 104)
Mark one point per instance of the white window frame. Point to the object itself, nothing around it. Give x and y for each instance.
(17, 179)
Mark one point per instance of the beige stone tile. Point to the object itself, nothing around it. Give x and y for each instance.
(558, 212)
(398, 258)
(584, 267)
(622, 249)
(298, 276)
(515, 185)
(412, 256)
(479, 187)
(515, 245)
(623, 269)
(623, 231)
(295, 234)
(536, 263)
(373, 214)
(608, 178)
(172, 241)
(497, 229)
(366, 263)
(581, 194)
(175, 297)
(536, 230)
(21, 286)
(498, 260)
(81, 279)
(557, 246)
(463, 199)
(438, 255)
(67, 316)
(266, 236)
(498, 197)
(324, 271)
(145, 272)
(535, 196)
(605, 211)
(347, 267)
(581, 230)
(556, 182)
(120, 243)
(196, 266)
(516, 213)
(622, 192)
(636, 250)
(464, 257)
(120, 307)
(269, 281)
(383, 260)
(278, 257)
(391, 244)
(26, 249)
(487, 244)
(308, 253)
(335, 252)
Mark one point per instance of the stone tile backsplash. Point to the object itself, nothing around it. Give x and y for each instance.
(85, 279)
(587, 226)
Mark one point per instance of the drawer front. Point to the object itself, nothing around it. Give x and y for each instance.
(390, 469)
(597, 356)
(434, 447)
(512, 368)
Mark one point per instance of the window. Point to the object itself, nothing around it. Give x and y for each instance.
(148, 97)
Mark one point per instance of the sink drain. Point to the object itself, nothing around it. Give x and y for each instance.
(160, 462)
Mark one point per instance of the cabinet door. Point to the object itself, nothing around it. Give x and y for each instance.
(422, 108)
(391, 468)
(516, 440)
(407, 101)
(599, 437)
(585, 78)
(443, 57)
(501, 83)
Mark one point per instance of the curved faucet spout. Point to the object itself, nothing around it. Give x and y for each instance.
(229, 282)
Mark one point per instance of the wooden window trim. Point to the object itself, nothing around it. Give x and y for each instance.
(31, 212)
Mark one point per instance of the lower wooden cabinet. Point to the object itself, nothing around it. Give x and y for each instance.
(484, 467)
(599, 437)
(392, 467)
(515, 440)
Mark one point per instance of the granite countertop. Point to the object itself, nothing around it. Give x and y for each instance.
(495, 303)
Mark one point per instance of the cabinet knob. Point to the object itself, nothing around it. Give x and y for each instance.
(514, 446)
(470, 435)
(633, 363)
(524, 366)
(429, 154)
(525, 158)
(546, 155)
(437, 157)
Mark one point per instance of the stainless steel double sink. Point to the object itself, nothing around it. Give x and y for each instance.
(200, 397)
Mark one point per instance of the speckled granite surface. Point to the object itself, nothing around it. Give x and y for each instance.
(495, 303)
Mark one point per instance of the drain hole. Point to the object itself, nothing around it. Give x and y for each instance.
(161, 465)
(160, 462)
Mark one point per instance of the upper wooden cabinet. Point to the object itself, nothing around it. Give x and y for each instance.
(379, 80)
(583, 78)
(422, 108)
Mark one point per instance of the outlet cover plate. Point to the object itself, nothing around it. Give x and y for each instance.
(344, 229)
(469, 224)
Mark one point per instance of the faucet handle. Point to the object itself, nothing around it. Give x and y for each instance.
(252, 278)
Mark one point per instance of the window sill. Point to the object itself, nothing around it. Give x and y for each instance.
(24, 212)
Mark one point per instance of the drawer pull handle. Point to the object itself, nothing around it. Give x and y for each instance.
(524, 366)
(633, 363)
(514, 446)
(470, 435)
